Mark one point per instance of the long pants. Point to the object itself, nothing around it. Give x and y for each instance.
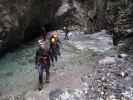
(66, 36)
(41, 69)
(58, 50)
(53, 54)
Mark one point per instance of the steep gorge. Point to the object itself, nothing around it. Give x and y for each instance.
(22, 20)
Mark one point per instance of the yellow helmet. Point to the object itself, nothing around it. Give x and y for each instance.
(53, 40)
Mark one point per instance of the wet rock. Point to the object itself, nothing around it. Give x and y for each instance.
(111, 97)
(124, 74)
(107, 60)
(55, 94)
(67, 94)
(112, 80)
(124, 55)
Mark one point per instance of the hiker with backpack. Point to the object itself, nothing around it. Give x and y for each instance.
(42, 61)
(49, 49)
(54, 46)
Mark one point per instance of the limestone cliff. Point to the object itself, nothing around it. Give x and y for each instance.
(21, 20)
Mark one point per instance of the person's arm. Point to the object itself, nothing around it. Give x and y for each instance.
(36, 57)
(58, 40)
(49, 59)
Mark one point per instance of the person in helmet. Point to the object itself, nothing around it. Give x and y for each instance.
(42, 61)
(53, 44)
(57, 43)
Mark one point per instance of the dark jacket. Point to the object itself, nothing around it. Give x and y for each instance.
(42, 58)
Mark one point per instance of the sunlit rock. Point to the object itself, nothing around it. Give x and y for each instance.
(107, 60)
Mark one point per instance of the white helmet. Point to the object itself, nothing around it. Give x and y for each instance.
(40, 42)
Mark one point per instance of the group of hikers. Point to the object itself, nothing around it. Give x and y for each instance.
(47, 53)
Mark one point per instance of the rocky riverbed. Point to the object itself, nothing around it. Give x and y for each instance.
(88, 69)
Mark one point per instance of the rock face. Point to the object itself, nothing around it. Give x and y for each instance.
(21, 20)
(119, 15)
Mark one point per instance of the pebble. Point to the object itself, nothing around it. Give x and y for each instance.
(112, 79)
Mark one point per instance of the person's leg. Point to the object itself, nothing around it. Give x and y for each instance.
(55, 54)
(65, 36)
(41, 77)
(40, 80)
(47, 73)
(56, 58)
(51, 56)
(58, 50)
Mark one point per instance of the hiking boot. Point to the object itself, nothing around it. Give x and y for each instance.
(40, 87)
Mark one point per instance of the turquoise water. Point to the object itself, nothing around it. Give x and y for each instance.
(17, 70)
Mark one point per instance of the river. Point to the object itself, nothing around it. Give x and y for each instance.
(79, 55)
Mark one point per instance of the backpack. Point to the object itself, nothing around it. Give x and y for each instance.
(43, 53)
(53, 39)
